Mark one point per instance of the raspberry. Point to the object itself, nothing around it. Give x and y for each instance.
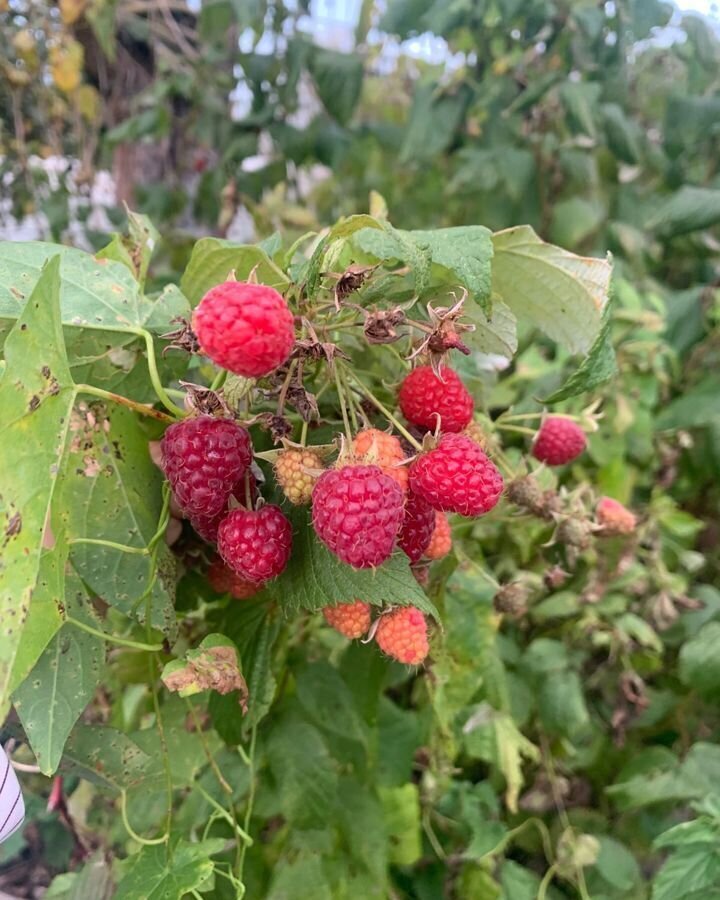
(423, 396)
(255, 543)
(207, 526)
(223, 580)
(402, 634)
(441, 540)
(558, 441)
(417, 527)
(511, 599)
(457, 477)
(378, 448)
(350, 619)
(614, 517)
(245, 328)
(203, 458)
(527, 493)
(293, 472)
(575, 533)
(357, 513)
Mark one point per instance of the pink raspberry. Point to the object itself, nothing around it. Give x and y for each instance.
(245, 328)
(402, 634)
(203, 458)
(357, 512)
(441, 541)
(614, 517)
(558, 441)
(255, 543)
(457, 477)
(351, 619)
(417, 528)
(423, 397)
(378, 448)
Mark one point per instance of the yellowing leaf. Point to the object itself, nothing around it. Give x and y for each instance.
(66, 66)
(71, 10)
(88, 101)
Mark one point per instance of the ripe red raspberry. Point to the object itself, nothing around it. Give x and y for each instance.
(402, 634)
(357, 513)
(441, 541)
(614, 517)
(203, 459)
(417, 527)
(457, 476)
(245, 328)
(207, 526)
(295, 472)
(558, 441)
(255, 543)
(223, 580)
(423, 396)
(350, 619)
(378, 448)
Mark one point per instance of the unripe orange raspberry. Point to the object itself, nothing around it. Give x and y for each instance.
(223, 580)
(441, 540)
(378, 448)
(296, 473)
(402, 634)
(614, 517)
(351, 619)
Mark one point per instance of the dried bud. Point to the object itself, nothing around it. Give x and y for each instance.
(512, 599)
(381, 327)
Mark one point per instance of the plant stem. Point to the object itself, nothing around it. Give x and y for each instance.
(123, 548)
(386, 412)
(250, 758)
(224, 814)
(520, 429)
(285, 387)
(111, 639)
(343, 409)
(351, 402)
(219, 380)
(155, 376)
(206, 749)
(545, 883)
(124, 401)
(146, 842)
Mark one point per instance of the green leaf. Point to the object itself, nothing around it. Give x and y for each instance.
(302, 878)
(106, 757)
(689, 209)
(621, 133)
(111, 491)
(579, 98)
(36, 395)
(135, 248)
(434, 118)
(687, 870)
(560, 293)
(62, 682)
(402, 823)
(213, 260)
(338, 78)
(305, 775)
(576, 220)
(327, 700)
(697, 407)
(152, 875)
(699, 662)
(598, 366)
(616, 864)
(315, 577)
(561, 704)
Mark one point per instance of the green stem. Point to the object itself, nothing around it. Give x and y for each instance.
(519, 429)
(146, 842)
(124, 401)
(163, 741)
(351, 403)
(251, 798)
(224, 814)
(206, 749)
(545, 883)
(112, 639)
(123, 548)
(303, 434)
(219, 380)
(343, 409)
(155, 376)
(383, 409)
(162, 521)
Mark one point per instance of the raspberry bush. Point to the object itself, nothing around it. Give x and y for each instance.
(281, 583)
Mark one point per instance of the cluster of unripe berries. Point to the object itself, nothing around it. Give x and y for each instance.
(376, 497)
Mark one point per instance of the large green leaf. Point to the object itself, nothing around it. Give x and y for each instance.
(560, 293)
(106, 757)
(214, 259)
(154, 875)
(434, 117)
(689, 209)
(338, 78)
(315, 577)
(62, 682)
(699, 662)
(36, 396)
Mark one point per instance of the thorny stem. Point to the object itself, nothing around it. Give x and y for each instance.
(112, 639)
(124, 401)
(384, 410)
(343, 409)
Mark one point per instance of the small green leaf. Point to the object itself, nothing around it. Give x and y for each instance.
(135, 248)
(689, 209)
(687, 872)
(338, 78)
(402, 823)
(699, 663)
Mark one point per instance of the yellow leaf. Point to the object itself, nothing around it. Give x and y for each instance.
(65, 65)
(88, 101)
(71, 10)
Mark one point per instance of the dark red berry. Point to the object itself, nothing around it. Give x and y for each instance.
(424, 397)
(417, 527)
(457, 476)
(357, 513)
(255, 543)
(203, 459)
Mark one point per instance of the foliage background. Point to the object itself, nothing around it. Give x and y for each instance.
(590, 722)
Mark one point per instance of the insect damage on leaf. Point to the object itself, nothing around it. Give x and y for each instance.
(212, 666)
